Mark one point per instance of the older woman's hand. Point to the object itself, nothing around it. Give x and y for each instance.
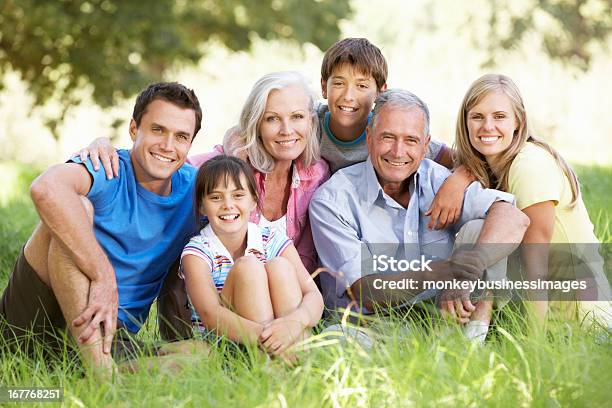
(101, 150)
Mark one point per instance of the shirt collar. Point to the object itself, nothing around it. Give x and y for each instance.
(373, 187)
(298, 173)
(254, 241)
(339, 142)
(295, 176)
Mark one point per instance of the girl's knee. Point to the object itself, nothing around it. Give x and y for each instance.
(280, 265)
(248, 267)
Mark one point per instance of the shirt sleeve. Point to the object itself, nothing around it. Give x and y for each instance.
(477, 201)
(277, 242)
(337, 243)
(435, 149)
(196, 160)
(530, 189)
(197, 247)
(103, 191)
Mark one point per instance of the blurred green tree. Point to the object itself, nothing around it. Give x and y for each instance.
(118, 46)
(569, 30)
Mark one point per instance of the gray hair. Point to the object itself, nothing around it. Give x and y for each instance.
(248, 138)
(402, 99)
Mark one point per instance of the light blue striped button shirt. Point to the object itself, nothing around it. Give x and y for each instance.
(351, 211)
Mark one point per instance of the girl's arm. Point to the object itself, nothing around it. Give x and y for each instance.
(534, 249)
(207, 303)
(445, 209)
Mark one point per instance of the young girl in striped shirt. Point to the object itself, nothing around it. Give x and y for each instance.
(245, 281)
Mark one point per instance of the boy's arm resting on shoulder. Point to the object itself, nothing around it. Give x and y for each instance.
(58, 196)
(445, 156)
(207, 303)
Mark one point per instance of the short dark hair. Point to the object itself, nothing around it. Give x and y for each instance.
(361, 54)
(172, 92)
(220, 169)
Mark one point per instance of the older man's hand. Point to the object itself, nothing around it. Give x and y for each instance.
(459, 267)
(456, 304)
(468, 264)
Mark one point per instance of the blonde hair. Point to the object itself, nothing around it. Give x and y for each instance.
(475, 162)
(245, 138)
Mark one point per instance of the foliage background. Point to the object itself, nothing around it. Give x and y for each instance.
(435, 48)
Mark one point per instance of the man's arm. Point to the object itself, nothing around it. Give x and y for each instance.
(502, 232)
(337, 243)
(57, 195)
(339, 248)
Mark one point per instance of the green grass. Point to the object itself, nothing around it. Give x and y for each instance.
(412, 364)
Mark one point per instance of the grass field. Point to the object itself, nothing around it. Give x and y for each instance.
(412, 364)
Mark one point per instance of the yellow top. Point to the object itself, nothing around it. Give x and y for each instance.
(535, 177)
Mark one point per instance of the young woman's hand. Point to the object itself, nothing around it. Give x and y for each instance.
(280, 334)
(101, 150)
(445, 210)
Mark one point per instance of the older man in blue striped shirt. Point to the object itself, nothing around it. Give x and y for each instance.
(371, 211)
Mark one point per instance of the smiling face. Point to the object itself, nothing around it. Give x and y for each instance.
(161, 144)
(350, 95)
(397, 144)
(285, 124)
(491, 124)
(228, 207)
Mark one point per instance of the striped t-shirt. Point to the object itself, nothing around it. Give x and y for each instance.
(265, 243)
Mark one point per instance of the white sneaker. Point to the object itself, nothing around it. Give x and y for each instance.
(351, 332)
(476, 331)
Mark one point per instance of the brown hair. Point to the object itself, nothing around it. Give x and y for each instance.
(172, 92)
(475, 162)
(220, 169)
(361, 54)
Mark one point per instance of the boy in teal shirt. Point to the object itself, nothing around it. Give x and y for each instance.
(353, 73)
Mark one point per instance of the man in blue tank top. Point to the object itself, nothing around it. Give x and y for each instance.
(100, 255)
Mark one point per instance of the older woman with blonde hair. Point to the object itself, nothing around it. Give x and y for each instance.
(493, 142)
(277, 136)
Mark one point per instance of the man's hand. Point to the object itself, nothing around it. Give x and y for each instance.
(278, 335)
(102, 305)
(456, 304)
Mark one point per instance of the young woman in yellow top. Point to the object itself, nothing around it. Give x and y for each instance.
(494, 144)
